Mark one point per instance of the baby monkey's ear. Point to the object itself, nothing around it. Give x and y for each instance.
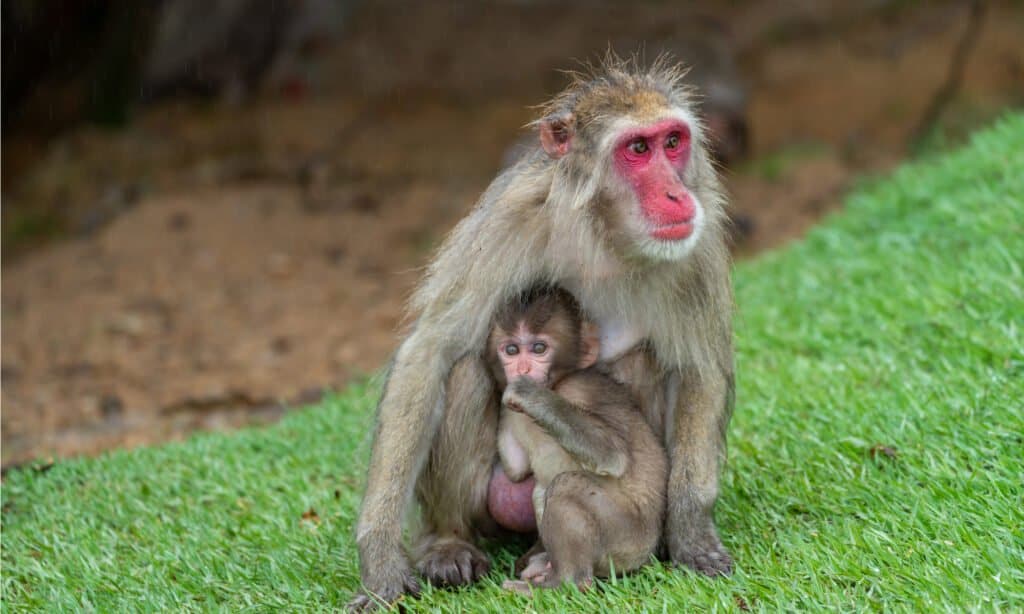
(590, 345)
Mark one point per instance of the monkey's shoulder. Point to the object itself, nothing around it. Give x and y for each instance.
(591, 387)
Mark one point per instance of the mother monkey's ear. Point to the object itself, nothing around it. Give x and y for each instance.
(556, 133)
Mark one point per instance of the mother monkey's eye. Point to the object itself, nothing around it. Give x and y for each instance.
(638, 146)
(672, 141)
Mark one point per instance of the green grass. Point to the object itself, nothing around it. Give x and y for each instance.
(876, 453)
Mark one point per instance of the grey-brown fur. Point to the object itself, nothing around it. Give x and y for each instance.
(437, 417)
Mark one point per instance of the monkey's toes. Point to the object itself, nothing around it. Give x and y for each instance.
(538, 569)
(453, 563)
(710, 559)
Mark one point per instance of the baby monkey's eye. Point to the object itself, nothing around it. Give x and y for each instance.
(672, 141)
(638, 146)
(511, 349)
(540, 347)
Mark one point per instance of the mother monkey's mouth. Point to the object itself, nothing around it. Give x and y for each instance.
(673, 232)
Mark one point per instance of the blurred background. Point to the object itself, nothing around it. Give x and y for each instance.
(213, 210)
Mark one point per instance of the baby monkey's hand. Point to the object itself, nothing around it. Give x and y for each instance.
(521, 394)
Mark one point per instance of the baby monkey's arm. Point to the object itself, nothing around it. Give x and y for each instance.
(584, 433)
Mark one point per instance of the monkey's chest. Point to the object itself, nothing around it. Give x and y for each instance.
(618, 336)
(612, 309)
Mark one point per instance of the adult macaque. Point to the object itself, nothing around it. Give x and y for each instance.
(599, 470)
(621, 206)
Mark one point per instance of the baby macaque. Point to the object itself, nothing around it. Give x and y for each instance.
(600, 473)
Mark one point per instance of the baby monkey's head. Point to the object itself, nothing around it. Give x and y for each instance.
(541, 335)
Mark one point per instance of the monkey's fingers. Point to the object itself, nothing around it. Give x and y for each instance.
(701, 552)
(363, 602)
(512, 401)
(454, 563)
(471, 567)
(403, 582)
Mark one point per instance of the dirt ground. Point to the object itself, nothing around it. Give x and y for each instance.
(238, 260)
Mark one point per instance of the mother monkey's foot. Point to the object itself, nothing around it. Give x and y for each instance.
(450, 561)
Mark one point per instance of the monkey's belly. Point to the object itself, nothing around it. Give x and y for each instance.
(511, 503)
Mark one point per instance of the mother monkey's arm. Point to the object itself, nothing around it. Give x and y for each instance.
(493, 251)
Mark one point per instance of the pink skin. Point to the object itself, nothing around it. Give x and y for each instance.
(652, 160)
(511, 503)
(525, 354)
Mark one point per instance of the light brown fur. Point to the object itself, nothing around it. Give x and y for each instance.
(599, 510)
(437, 420)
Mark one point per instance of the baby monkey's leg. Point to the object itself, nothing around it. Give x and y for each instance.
(571, 530)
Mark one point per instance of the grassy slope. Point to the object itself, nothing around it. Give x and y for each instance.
(897, 324)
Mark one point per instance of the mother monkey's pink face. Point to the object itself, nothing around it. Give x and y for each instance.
(642, 173)
(652, 160)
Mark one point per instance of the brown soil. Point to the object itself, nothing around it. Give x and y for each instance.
(260, 254)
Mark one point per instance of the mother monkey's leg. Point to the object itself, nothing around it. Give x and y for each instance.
(440, 440)
(452, 489)
(690, 412)
(437, 420)
(696, 448)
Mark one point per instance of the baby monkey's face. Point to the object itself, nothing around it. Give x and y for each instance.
(524, 353)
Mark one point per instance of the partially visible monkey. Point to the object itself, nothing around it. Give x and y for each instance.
(600, 471)
(620, 205)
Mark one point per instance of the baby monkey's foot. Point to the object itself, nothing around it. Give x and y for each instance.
(536, 573)
(538, 568)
